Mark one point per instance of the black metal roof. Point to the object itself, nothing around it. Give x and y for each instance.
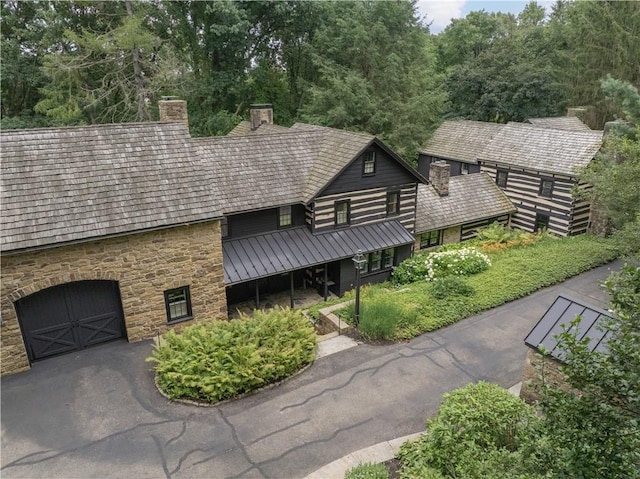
(291, 249)
(564, 311)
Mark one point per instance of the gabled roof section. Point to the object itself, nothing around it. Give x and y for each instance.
(291, 249)
(70, 184)
(471, 198)
(559, 123)
(244, 128)
(260, 171)
(543, 149)
(460, 140)
(562, 312)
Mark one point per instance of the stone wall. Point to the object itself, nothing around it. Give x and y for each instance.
(145, 265)
(539, 370)
(449, 235)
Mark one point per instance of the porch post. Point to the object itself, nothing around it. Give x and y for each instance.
(291, 279)
(326, 279)
(257, 294)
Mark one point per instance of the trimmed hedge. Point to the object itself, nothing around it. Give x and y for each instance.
(220, 360)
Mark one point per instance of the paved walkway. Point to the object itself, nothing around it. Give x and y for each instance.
(97, 414)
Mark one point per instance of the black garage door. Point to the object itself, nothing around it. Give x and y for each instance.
(69, 317)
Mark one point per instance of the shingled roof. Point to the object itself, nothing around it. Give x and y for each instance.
(460, 140)
(471, 198)
(267, 170)
(77, 183)
(244, 128)
(560, 123)
(542, 149)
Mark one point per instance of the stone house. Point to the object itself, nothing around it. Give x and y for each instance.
(541, 368)
(108, 231)
(452, 209)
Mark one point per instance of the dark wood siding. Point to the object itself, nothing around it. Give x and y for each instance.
(346, 279)
(262, 221)
(424, 162)
(388, 172)
(367, 206)
(523, 189)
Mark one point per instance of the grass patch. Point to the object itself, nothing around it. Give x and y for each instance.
(367, 471)
(220, 360)
(515, 272)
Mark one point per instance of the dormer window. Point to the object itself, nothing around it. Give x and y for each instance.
(369, 163)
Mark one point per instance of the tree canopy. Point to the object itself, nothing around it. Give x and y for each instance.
(354, 64)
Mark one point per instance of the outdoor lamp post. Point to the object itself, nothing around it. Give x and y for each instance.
(358, 261)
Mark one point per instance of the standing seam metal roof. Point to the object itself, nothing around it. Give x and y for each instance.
(292, 249)
(562, 312)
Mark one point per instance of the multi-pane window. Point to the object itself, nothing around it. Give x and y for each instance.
(393, 203)
(284, 216)
(501, 178)
(542, 222)
(224, 227)
(387, 258)
(546, 187)
(178, 304)
(378, 260)
(429, 239)
(369, 163)
(375, 261)
(341, 215)
(464, 169)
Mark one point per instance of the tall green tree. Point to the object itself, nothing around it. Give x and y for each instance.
(505, 73)
(615, 174)
(592, 39)
(106, 65)
(377, 74)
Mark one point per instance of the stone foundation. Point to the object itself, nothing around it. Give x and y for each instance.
(539, 370)
(144, 265)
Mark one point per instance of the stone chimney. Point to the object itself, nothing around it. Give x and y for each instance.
(172, 109)
(439, 173)
(261, 114)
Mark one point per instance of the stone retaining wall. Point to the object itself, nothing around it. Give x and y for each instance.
(144, 265)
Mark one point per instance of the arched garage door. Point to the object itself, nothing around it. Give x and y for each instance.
(70, 317)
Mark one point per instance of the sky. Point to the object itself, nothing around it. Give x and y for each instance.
(440, 12)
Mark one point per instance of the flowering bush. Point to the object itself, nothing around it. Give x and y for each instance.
(410, 270)
(462, 262)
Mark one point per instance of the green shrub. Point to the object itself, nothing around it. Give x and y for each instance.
(462, 262)
(480, 431)
(218, 360)
(367, 471)
(411, 269)
(498, 233)
(450, 286)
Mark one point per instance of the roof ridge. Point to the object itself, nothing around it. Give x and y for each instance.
(92, 126)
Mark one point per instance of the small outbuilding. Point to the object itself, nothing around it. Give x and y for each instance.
(547, 368)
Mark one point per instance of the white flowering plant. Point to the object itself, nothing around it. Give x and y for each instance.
(460, 262)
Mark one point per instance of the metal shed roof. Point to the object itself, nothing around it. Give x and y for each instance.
(562, 312)
(291, 249)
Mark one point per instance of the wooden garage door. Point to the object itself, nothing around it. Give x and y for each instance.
(70, 317)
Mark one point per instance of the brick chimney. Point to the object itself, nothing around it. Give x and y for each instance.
(439, 173)
(261, 114)
(172, 109)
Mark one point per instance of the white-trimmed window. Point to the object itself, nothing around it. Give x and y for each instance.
(342, 213)
(369, 163)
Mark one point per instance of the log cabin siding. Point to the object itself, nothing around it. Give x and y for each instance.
(388, 172)
(424, 164)
(366, 206)
(523, 189)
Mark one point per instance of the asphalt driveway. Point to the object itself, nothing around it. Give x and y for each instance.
(98, 414)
